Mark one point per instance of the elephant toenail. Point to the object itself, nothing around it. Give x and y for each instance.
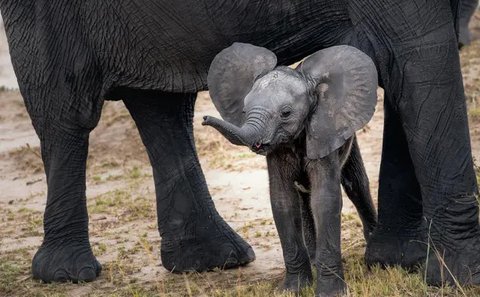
(231, 261)
(87, 274)
(60, 275)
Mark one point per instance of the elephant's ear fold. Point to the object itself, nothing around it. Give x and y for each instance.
(345, 84)
(232, 74)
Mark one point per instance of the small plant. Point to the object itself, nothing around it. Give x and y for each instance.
(100, 249)
(135, 173)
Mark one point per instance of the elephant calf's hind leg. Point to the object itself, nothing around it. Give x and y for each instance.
(356, 185)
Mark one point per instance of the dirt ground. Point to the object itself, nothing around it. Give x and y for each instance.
(7, 77)
(120, 193)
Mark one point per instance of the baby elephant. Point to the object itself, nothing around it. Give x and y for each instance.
(304, 120)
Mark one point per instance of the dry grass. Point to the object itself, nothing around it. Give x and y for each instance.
(219, 154)
(119, 274)
(470, 61)
(116, 213)
(27, 159)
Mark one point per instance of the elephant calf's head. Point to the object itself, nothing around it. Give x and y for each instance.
(330, 95)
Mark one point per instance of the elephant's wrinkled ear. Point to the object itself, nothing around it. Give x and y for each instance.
(346, 87)
(232, 74)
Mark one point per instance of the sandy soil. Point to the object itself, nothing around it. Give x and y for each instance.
(7, 76)
(121, 193)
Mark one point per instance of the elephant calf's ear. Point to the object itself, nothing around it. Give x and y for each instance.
(232, 74)
(346, 86)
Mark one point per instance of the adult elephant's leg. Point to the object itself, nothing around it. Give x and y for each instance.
(194, 236)
(399, 238)
(434, 115)
(65, 254)
(425, 66)
(283, 169)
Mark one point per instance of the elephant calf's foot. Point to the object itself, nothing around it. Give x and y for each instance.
(388, 249)
(295, 282)
(65, 262)
(330, 282)
(213, 250)
(454, 266)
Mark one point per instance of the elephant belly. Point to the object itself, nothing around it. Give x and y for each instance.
(170, 47)
(157, 45)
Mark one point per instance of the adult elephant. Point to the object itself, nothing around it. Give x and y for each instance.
(69, 56)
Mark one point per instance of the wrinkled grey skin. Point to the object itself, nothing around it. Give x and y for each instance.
(304, 121)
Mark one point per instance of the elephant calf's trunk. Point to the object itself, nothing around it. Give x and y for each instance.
(231, 132)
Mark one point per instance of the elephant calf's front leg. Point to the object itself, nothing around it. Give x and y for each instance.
(326, 203)
(282, 168)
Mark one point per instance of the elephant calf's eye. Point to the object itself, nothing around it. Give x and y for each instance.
(286, 113)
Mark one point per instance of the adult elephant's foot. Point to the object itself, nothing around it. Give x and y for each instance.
(65, 261)
(454, 265)
(208, 250)
(387, 248)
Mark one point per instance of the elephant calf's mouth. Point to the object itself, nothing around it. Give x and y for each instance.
(260, 148)
(263, 148)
